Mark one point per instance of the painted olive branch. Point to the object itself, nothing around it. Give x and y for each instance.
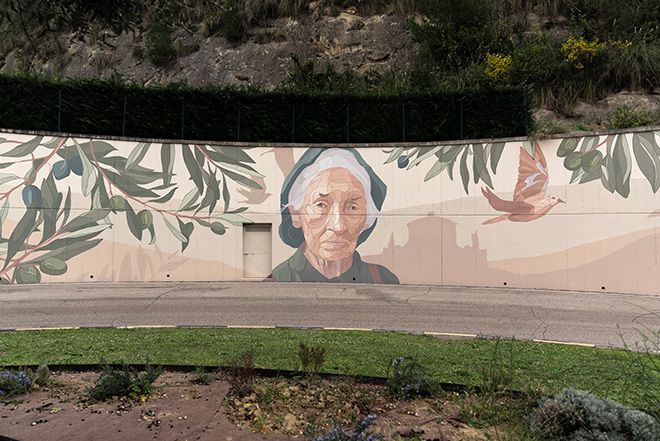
(17, 261)
(146, 205)
(45, 160)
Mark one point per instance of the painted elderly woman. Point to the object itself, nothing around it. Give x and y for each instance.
(330, 204)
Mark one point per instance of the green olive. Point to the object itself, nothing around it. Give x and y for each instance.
(218, 228)
(573, 161)
(567, 146)
(118, 203)
(27, 274)
(53, 266)
(591, 161)
(145, 219)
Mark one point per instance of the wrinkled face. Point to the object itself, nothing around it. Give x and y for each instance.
(333, 214)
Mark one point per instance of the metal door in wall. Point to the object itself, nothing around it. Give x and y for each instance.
(257, 259)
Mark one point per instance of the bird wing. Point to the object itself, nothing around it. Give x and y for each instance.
(502, 205)
(532, 177)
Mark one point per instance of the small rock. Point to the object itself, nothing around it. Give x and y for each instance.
(289, 422)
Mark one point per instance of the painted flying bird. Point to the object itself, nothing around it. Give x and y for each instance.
(254, 196)
(529, 200)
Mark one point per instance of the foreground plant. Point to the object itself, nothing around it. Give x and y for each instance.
(360, 432)
(577, 415)
(408, 379)
(16, 382)
(240, 374)
(125, 381)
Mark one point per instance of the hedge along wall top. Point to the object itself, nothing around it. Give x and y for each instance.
(252, 115)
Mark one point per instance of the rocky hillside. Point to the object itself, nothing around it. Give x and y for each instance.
(346, 40)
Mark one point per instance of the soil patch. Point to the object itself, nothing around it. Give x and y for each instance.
(278, 409)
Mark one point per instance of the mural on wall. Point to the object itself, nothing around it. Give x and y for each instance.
(529, 200)
(114, 187)
(73, 209)
(583, 156)
(330, 201)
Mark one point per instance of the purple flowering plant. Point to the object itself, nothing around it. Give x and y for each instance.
(14, 382)
(407, 379)
(360, 432)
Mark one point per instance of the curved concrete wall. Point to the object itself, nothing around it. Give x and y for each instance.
(576, 213)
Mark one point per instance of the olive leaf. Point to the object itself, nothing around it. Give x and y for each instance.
(7, 177)
(50, 200)
(497, 148)
(21, 232)
(85, 220)
(4, 211)
(186, 230)
(193, 167)
(644, 148)
(465, 173)
(240, 179)
(163, 199)
(479, 165)
(68, 249)
(622, 165)
(394, 154)
(189, 200)
(233, 218)
(89, 171)
(137, 155)
(167, 161)
(133, 223)
(175, 231)
(24, 149)
(428, 152)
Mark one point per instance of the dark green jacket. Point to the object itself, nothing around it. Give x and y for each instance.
(298, 269)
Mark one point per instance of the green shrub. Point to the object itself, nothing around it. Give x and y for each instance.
(233, 25)
(535, 61)
(626, 117)
(158, 41)
(311, 358)
(579, 416)
(125, 381)
(201, 376)
(460, 32)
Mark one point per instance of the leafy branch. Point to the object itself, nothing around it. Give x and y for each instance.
(445, 157)
(614, 166)
(112, 183)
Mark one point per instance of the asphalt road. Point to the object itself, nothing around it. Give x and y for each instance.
(601, 319)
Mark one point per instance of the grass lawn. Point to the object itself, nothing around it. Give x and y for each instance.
(626, 377)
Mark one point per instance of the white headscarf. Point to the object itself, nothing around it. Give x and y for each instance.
(333, 158)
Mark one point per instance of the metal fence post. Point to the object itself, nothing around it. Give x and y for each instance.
(526, 114)
(293, 123)
(183, 109)
(59, 111)
(348, 124)
(123, 122)
(403, 120)
(461, 136)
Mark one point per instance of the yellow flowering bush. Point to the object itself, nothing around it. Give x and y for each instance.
(576, 51)
(497, 68)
